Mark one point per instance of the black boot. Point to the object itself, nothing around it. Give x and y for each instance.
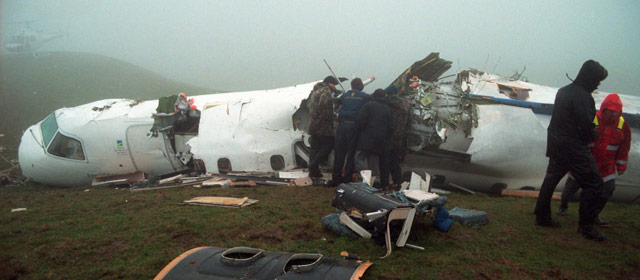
(590, 233)
(601, 223)
(548, 222)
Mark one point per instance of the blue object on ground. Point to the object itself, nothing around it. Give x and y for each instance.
(469, 217)
(332, 221)
(442, 221)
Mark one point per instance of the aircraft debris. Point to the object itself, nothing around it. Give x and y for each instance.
(439, 191)
(479, 131)
(4, 179)
(171, 179)
(469, 217)
(528, 193)
(369, 213)
(293, 174)
(242, 183)
(461, 188)
(301, 182)
(217, 182)
(229, 202)
(252, 263)
(118, 179)
(12, 176)
(441, 221)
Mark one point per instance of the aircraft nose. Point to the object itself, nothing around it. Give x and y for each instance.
(30, 151)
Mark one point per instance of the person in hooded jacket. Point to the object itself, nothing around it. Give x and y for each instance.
(570, 131)
(610, 151)
(374, 122)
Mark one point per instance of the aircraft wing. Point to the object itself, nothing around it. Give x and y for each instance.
(524, 94)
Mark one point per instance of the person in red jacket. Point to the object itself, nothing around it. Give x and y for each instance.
(610, 151)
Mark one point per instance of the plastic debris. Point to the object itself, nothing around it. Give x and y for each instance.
(469, 217)
(220, 201)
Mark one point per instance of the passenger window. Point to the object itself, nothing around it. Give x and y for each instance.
(277, 162)
(224, 165)
(49, 127)
(66, 147)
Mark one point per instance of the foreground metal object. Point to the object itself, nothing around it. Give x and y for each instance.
(251, 263)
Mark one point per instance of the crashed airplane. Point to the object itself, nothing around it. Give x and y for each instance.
(481, 131)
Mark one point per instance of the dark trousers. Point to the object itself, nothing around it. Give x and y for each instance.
(345, 146)
(571, 187)
(321, 147)
(581, 164)
(376, 161)
(393, 157)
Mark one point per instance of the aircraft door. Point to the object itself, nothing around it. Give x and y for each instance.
(152, 155)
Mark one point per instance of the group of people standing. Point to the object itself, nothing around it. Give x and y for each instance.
(591, 147)
(370, 128)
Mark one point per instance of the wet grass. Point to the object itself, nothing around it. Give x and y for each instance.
(107, 233)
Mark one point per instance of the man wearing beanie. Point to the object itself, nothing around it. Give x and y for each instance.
(346, 133)
(569, 134)
(401, 110)
(321, 123)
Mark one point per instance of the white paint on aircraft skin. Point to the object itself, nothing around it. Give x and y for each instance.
(248, 128)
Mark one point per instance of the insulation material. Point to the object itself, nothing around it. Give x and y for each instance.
(221, 201)
(469, 217)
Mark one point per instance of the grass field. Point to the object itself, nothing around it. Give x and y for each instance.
(108, 233)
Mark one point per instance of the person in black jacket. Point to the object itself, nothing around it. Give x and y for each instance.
(569, 133)
(374, 125)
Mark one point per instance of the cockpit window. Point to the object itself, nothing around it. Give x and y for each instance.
(66, 147)
(49, 127)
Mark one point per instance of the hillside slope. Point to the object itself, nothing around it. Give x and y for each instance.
(33, 87)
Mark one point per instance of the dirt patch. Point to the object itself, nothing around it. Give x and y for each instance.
(43, 228)
(556, 273)
(304, 235)
(185, 238)
(11, 270)
(269, 237)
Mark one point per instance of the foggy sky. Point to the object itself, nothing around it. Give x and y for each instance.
(246, 45)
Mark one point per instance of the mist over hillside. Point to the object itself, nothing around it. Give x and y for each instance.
(31, 87)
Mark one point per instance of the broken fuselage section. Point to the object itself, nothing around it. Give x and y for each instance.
(480, 131)
(244, 131)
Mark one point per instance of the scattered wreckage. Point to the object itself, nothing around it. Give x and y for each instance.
(252, 263)
(367, 212)
(481, 132)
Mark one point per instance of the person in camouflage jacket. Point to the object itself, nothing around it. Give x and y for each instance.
(401, 111)
(321, 123)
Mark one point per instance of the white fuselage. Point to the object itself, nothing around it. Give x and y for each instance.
(249, 129)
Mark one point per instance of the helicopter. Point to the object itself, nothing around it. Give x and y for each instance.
(28, 40)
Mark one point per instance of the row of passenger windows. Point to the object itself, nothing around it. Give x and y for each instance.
(68, 147)
(277, 164)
